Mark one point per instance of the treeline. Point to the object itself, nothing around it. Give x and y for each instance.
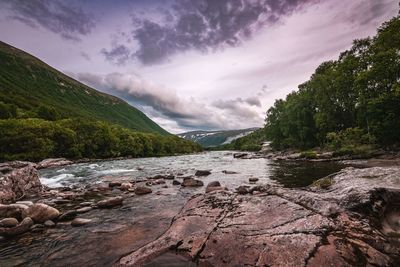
(356, 96)
(35, 139)
(348, 105)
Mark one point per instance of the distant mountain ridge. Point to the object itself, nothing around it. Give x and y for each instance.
(215, 138)
(28, 83)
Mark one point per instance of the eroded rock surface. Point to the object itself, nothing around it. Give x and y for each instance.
(352, 222)
(18, 179)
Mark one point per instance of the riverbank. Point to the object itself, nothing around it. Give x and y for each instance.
(114, 208)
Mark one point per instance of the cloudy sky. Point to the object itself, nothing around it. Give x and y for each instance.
(191, 64)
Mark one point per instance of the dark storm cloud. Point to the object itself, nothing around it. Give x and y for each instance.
(206, 25)
(69, 21)
(118, 55)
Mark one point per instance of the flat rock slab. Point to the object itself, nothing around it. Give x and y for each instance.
(278, 227)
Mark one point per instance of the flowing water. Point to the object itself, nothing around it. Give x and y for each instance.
(118, 231)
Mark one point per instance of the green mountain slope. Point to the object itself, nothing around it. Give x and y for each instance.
(28, 83)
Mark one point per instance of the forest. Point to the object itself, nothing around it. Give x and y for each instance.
(35, 139)
(349, 105)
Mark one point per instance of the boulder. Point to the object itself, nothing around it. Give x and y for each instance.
(202, 173)
(8, 222)
(40, 213)
(21, 228)
(80, 222)
(20, 180)
(110, 202)
(49, 163)
(142, 190)
(191, 182)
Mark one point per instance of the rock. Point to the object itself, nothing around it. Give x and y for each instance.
(176, 182)
(229, 172)
(214, 188)
(49, 223)
(8, 222)
(169, 177)
(191, 182)
(84, 209)
(125, 186)
(253, 180)
(202, 173)
(113, 184)
(242, 190)
(26, 203)
(61, 201)
(289, 227)
(40, 213)
(102, 187)
(49, 163)
(240, 155)
(156, 182)
(80, 222)
(12, 210)
(142, 190)
(21, 228)
(20, 180)
(110, 202)
(68, 215)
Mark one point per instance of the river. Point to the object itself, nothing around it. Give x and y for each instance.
(116, 232)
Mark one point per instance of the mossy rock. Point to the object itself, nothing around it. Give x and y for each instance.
(309, 155)
(324, 183)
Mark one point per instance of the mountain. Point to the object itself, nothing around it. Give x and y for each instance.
(28, 84)
(216, 138)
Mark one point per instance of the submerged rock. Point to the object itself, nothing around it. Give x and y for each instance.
(202, 173)
(142, 190)
(40, 213)
(191, 182)
(354, 222)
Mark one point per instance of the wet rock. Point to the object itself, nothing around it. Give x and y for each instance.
(80, 222)
(191, 182)
(125, 186)
(240, 155)
(8, 222)
(40, 212)
(110, 202)
(68, 215)
(49, 223)
(242, 190)
(50, 163)
(113, 184)
(253, 180)
(176, 182)
(84, 209)
(102, 187)
(214, 186)
(60, 201)
(202, 173)
(142, 190)
(85, 204)
(20, 180)
(169, 177)
(229, 172)
(21, 228)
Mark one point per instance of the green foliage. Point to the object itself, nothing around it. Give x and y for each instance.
(347, 104)
(36, 139)
(309, 154)
(37, 90)
(324, 183)
(7, 111)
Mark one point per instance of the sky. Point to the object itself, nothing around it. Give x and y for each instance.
(191, 64)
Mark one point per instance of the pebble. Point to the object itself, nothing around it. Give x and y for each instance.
(49, 223)
(84, 209)
(142, 190)
(80, 222)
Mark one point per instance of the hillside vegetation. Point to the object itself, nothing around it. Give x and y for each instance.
(44, 113)
(349, 105)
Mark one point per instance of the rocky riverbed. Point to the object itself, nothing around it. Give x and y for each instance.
(185, 214)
